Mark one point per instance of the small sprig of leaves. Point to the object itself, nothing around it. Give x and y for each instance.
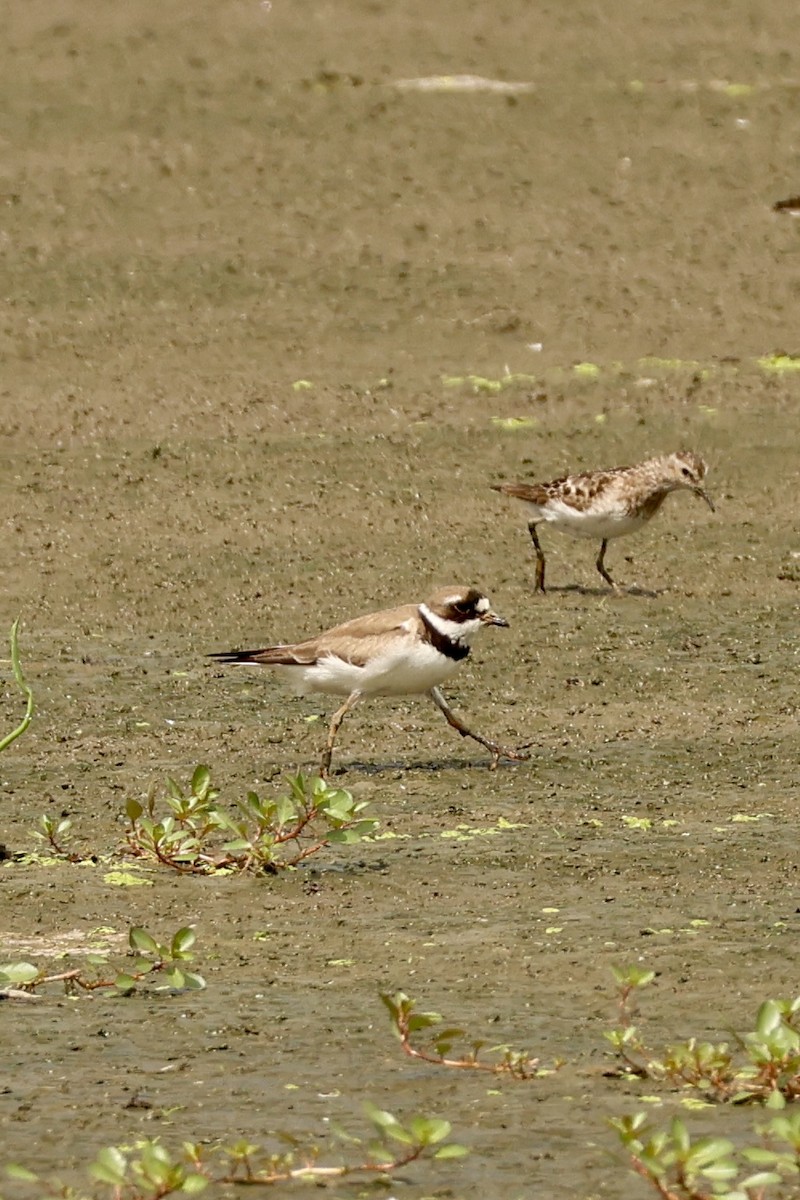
(406, 1022)
(625, 1037)
(22, 684)
(197, 836)
(680, 1168)
(763, 1065)
(150, 1171)
(55, 832)
(23, 980)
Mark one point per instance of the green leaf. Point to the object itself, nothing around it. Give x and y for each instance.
(183, 940)
(201, 780)
(21, 972)
(344, 837)
(759, 1156)
(193, 981)
(175, 978)
(452, 1150)
(282, 811)
(428, 1131)
(760, 1179)
(398, 1133)
(424, 1021)
(450, 1034)
(680, 1135)
(721, 1172)
(109, 1166)
(388, 1124)
(141, 940)
(133, 809)
(340, 810)
(155, 1162)
(366, 827)
(240, 844)
(193, 1184)
(768, 1018)
(14, 1171)
(706, 1151)
(125, 983)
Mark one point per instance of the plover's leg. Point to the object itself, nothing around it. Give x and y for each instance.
(539, 556)
(336, 721)
(600, 564)
(497, 752)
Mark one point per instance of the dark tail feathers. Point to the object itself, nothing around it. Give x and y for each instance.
(236, 656)
(276, 656)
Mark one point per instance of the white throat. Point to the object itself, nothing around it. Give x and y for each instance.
(455, 631)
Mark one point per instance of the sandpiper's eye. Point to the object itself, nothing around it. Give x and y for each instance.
(686, 472)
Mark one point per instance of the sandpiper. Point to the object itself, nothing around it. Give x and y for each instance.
(607, 504)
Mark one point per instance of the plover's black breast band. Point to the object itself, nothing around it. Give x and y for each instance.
(441, 642)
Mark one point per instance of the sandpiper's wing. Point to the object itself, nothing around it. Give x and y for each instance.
(533, 493)
(578, 492)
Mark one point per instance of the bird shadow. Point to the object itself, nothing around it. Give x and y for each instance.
(428, 766)
(607, 593)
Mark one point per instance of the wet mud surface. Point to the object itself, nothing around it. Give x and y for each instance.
(246, 283)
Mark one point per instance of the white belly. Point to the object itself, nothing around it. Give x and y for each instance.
(611, 523)
(409, 669)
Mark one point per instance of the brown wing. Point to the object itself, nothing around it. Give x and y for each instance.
(576, 491)
(534, 493)
(361, 639)
(355, 641)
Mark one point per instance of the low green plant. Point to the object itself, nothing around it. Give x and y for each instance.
(762, 1065)
(54, 832)
(625, 1036)
(149, 1170)
(151, 960)
(681, 1168)
(6, 741)
(197, 836)
(406, 1022)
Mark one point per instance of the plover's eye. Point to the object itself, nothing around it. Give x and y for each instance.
(463, 607)
(686, 472)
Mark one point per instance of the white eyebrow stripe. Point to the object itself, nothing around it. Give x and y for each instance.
(482, 605)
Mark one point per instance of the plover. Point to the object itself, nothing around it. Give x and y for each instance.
(607, 504)
(395, 652)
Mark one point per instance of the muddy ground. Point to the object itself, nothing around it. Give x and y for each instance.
(202, 207)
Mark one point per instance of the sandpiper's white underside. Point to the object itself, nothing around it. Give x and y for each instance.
(608, 522)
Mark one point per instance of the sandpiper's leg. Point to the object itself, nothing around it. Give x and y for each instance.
(600, 564)
(336, 721)
(539, 556)
(497, 752)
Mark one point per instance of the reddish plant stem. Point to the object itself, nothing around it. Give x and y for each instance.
(466, 1064)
